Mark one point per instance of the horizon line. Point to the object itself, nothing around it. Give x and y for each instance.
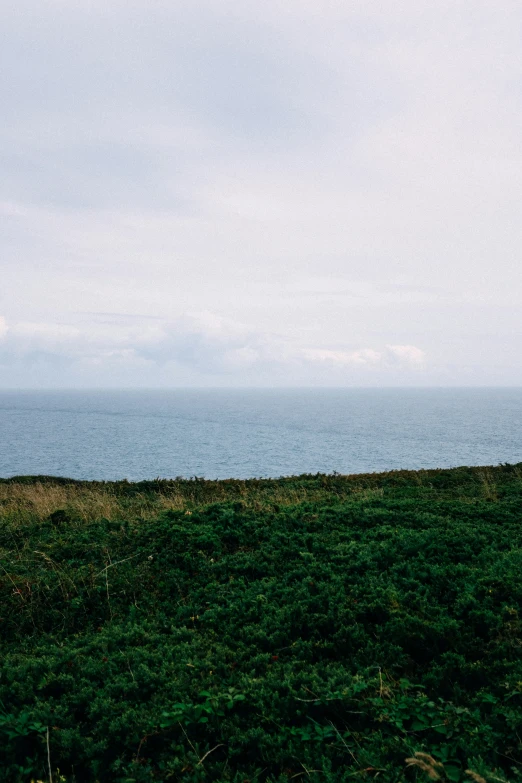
(24, 389)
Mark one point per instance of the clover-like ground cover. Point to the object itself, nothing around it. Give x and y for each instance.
(316, 627)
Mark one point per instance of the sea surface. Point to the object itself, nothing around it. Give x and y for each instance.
(254, 433)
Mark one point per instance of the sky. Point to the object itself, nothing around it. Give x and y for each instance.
(235, 193)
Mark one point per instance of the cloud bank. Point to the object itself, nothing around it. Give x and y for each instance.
(204, 343)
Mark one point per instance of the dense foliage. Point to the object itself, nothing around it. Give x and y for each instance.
(318, 627)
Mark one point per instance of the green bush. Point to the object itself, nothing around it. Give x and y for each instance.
(248, 640)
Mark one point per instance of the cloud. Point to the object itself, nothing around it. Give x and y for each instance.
(26, 339)
(204, 342)
(10, 209)
(207, 342)
(404, 355)
(407, 354)
(3, 327)
(364, 356)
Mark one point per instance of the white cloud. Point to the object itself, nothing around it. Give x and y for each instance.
(205, 342)
(11, 209)
(363, 356)
(73, 341)
(405, 355)
(3, 327)
(409, 354)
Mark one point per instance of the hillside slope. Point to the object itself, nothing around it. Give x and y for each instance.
(314, 627)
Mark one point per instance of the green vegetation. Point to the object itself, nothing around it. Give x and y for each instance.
(313, 628)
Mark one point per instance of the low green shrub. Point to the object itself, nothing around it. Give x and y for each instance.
(248, 640)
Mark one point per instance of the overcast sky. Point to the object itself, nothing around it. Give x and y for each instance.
(235, 192)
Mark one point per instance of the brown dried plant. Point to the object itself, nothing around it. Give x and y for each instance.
(475, 776)
(427, 764)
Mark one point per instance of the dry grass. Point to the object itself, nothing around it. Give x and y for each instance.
(425, 762)
(436, 771)
(38, 501)
(488, 484)
(29, 500)
(21, 502)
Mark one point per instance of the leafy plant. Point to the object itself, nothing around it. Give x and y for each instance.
(212, 705)
(261, 630)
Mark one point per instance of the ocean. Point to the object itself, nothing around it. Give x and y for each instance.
(244, 433)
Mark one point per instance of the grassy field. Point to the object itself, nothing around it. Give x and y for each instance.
(322, 628)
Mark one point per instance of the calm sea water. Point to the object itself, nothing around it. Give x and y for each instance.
(244, 433)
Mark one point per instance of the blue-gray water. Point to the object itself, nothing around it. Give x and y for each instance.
(245, 433)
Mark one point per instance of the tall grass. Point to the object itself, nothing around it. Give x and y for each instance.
(29, 499)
